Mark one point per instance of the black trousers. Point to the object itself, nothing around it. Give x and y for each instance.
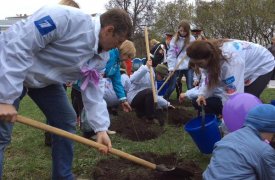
(143, 103)
(77, 101)
(213, 105)
(257, 87)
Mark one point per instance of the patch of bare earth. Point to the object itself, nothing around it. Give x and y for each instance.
(120, 169)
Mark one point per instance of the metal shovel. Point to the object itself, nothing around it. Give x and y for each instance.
(76, 138)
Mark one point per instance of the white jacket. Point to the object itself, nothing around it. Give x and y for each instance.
(140, 80)
(174, 50)
(109, 93)
(247, 61)
(50, 47)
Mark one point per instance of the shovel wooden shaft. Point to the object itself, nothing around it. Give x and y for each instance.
(151, 69)
(171, 74)
(82, 140)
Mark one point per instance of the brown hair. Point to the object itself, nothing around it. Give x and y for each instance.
(186, 26)
(119, 19)
(195, 68)
(71, 3)
(128, 48)
(209, 50)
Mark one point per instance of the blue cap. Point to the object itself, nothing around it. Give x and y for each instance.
(262, 117)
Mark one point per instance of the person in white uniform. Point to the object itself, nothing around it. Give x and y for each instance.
(234, 66)
(175, 54)
(59, 44)
(140, 94)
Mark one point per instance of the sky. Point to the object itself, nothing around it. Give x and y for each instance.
(12, 7)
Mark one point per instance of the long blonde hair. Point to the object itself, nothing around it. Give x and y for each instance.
(186, 26)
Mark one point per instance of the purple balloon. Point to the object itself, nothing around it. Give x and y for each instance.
(236, 108)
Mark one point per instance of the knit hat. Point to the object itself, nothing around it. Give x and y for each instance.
(262, 117)
(162, 69)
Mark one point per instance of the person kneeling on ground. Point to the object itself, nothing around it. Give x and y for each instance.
(112, 101)
(140, 94)
(246, 153)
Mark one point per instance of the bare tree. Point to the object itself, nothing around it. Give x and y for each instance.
(141, 11)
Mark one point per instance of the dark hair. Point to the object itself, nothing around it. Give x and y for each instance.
(208, 50)
(119, 19)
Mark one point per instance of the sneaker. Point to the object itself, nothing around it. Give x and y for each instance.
(93, 137)
(111, 132)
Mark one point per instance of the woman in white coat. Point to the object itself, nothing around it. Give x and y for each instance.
(235, 66)
(175, 54)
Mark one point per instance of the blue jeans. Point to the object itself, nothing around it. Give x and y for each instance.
(53, 102)
(188, 73)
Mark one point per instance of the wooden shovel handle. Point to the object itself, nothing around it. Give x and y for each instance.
(151, 69)
(171, 74)
(76, 138)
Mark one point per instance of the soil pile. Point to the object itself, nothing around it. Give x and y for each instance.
(120, 169)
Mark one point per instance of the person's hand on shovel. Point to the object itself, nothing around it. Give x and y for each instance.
(201, 100)
(103, 138)
(149, 63)
(8, 112)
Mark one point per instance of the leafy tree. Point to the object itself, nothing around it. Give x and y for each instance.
(251, 20)
(168, 15)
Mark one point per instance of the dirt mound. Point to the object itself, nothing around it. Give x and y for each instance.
(120, 169)
(185, 103)
(131, 127)
(178, 116)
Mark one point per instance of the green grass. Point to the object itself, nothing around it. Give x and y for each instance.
(28, 158)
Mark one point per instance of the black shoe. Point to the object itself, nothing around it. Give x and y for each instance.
(89, 134)
(48, 139)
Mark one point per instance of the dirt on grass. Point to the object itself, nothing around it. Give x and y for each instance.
(120, 169)
(129, 126)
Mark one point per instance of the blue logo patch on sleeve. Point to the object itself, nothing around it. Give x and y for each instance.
(229, 80)
(236, 45)
(45, 25)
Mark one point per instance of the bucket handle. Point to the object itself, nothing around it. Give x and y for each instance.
(202, 116)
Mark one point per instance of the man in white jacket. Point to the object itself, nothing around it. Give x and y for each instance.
(58, 44)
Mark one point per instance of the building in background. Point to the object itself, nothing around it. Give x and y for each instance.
(8, 21)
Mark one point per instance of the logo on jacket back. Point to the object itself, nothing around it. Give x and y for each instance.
(230, 88)
(45, 25)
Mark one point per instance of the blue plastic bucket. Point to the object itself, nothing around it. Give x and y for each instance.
(204, 137)
(164, 89)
